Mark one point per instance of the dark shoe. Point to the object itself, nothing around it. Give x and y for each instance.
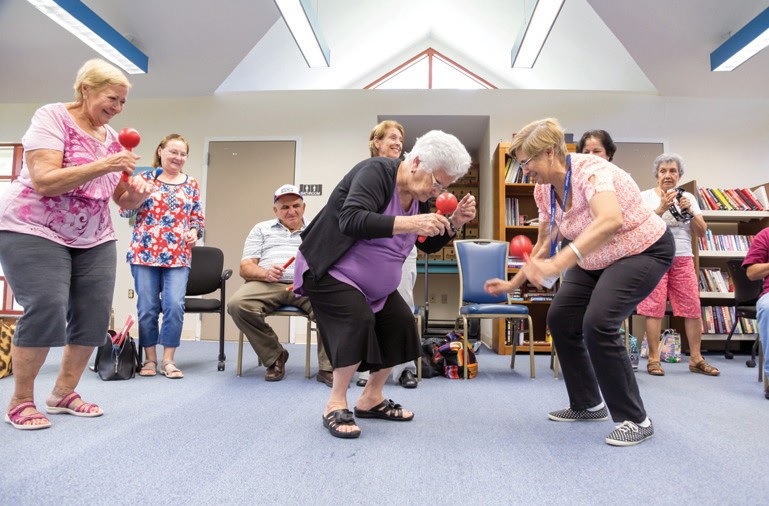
(408, 380)
(766, 392)
(361, 382)
(341, 418)
(277, 371)
(326, 377)
(385, 410)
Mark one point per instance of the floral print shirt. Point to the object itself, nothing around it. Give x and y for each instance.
(79, 218)
(641, 227)
(161, 222)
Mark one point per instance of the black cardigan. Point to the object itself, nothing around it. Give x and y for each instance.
(353, 212)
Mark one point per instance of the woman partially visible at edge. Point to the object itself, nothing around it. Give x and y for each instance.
(618, 252)
(167, 225)
(57, 244)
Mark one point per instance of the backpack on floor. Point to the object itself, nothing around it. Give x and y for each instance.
(454, 357)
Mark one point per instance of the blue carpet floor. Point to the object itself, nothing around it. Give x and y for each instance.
(214, 438)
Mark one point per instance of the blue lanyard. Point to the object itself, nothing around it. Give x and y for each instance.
(566, 186)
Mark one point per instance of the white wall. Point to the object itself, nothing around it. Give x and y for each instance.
(723, 141)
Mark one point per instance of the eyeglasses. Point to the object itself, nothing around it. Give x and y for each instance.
(524, 165)
(173, 152)
(437, 184)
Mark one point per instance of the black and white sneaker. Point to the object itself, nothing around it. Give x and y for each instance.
(582, 415)
(629, 434)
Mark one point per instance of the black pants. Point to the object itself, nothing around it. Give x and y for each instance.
(584, 320)
(351, 332)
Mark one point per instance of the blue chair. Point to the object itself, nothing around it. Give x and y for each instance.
(283, 311)
(479, 260)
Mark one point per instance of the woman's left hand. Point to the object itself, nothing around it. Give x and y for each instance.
(538, 271)
(191, 236)
(465, 211)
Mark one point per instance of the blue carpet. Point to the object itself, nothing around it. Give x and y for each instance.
(214, 438)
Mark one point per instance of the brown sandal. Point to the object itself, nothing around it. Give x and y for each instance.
(149, 368)
(703, 367)
(654, 368)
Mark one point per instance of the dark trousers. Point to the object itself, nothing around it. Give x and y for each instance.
(584, 320)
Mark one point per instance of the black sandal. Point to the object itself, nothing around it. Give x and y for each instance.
(339, 418)
(385, 410)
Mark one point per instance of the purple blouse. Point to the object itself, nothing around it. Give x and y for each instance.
(373, 266)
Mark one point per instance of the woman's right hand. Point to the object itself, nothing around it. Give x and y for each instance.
(124, 161)
(497, 286)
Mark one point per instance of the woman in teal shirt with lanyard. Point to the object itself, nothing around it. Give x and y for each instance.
(617, 253)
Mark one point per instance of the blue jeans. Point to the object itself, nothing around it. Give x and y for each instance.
(160, 289)
(762, 315)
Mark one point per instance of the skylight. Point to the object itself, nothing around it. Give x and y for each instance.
(430, 70)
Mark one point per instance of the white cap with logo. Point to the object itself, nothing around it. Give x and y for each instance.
(287, 189)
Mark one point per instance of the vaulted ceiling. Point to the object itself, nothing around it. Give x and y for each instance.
(199, 47)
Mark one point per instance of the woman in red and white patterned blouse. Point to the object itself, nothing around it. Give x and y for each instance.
(167, 225)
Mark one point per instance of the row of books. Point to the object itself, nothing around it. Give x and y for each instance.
(730, 199)
(713, 279)
(512, 212)
(719, 320)
(724, 242)
(514, 173)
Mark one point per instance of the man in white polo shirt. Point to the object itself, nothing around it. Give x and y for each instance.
(269, 246)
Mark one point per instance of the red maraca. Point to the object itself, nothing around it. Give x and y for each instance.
(446, 203)
(520, 246)
(128, 138)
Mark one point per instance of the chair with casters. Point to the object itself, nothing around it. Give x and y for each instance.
(746, 293)
(479, 260)
(208, 275)
(283, 311)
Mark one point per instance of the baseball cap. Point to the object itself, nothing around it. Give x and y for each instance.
(287, 189)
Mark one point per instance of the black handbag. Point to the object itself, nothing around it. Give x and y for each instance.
(116, 362)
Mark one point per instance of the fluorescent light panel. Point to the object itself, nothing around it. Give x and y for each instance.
(743, 45)
(535, 30)
(87, 26)
(301, 20)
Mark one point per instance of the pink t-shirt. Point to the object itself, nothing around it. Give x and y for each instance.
(640, 229)
(79, 218)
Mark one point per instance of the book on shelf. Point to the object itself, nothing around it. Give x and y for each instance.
(731, 199)
(724, 242)
(713, 279)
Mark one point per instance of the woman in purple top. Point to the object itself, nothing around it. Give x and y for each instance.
(57, 244)
(349, 265)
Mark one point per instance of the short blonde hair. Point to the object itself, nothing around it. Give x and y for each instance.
(97, 74)
(539, 135)
(379, 131)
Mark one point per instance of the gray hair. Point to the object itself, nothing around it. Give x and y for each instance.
(667, 158)
(438, 150)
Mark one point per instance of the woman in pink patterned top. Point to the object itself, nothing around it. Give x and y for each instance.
(57, 244)
(167, 225)
(618, 252)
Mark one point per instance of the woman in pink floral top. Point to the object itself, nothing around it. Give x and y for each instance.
(618, 252)
(57, 244)
(167, 226)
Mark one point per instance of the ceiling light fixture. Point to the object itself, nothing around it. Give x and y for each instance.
(87, 26)
(743, 45)
(302, 22)
(533, 33)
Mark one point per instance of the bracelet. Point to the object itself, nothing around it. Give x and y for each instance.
(451, 226)
(576, 251)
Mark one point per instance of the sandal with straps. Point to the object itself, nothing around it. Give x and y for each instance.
(385, 410)
(169, 370)
(147, 369)
(655, 368)
(22, 422)
(341, 418)
(703, 367)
